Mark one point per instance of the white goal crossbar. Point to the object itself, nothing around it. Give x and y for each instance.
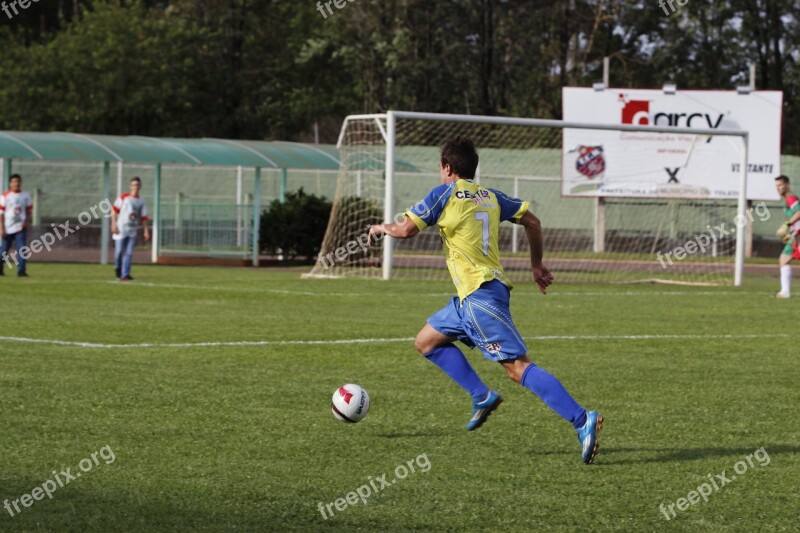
(386, 124)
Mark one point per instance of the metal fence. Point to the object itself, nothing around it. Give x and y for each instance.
(205, 211)
(210, 211)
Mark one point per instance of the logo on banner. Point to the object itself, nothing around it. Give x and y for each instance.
(636, 112)
(591, 161)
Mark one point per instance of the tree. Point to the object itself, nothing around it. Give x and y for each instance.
(277, 69)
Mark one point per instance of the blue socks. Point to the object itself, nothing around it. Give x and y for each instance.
(553, 393)
(542, 383)
(452, 361)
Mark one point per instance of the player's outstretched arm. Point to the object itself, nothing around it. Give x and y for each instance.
(533, 229)
(403, 230)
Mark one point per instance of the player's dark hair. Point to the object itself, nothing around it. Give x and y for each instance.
(459, 152)
(136, 179)
(13, 176)
(782, 178)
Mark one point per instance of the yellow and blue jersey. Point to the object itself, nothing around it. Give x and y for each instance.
(468, 217)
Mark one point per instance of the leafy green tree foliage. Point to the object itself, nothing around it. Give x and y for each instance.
(279, 69)
(122, 70)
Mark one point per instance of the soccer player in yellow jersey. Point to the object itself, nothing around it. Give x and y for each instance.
(468, 217)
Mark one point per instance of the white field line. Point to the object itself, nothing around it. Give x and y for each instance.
(80, 344)
(520, 289)
(648, 293)
(423, 294)
(217, 288)
(200, 344)
(256, 290)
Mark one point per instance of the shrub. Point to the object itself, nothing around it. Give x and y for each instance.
(295, 227)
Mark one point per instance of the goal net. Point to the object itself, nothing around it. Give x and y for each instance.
(594, 230)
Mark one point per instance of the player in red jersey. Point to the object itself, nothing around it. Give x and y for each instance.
(789, 233)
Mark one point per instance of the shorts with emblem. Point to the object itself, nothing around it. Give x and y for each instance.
(483, 319)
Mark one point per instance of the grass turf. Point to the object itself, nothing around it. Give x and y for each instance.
(220, 437)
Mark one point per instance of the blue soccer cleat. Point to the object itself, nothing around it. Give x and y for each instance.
(587, 436)
(482, 410)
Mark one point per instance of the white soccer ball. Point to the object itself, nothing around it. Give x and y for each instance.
(350, 403)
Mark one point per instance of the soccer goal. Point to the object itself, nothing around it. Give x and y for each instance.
(633, 217)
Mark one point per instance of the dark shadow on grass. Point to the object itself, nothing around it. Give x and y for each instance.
(400, 435)
(668, 455)
(79, 508)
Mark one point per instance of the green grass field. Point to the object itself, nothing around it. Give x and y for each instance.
(226, 436)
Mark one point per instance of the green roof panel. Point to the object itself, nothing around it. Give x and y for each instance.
(63, 146)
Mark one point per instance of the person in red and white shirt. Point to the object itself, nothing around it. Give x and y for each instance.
(789, 232)
(128, 214)
(15, 208)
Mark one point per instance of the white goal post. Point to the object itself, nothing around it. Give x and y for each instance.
(385, 157)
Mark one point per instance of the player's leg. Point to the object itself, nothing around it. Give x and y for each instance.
(785, 261)
(127, 256)
(5, 243)
(587, 424)
(435, 342)
(439, 349)
(19, 244)
(118, 249)
(493, 330)
(544, 385)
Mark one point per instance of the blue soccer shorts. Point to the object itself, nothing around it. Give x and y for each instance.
(483, 320)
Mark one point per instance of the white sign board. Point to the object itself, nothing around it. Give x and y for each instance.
(658, 165)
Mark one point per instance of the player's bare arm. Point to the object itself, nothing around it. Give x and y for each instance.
(783, 232)
(533, 229)
(403, 230)
(114, 223)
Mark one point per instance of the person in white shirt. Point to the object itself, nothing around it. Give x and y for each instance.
(15, 208)
(128, 214)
